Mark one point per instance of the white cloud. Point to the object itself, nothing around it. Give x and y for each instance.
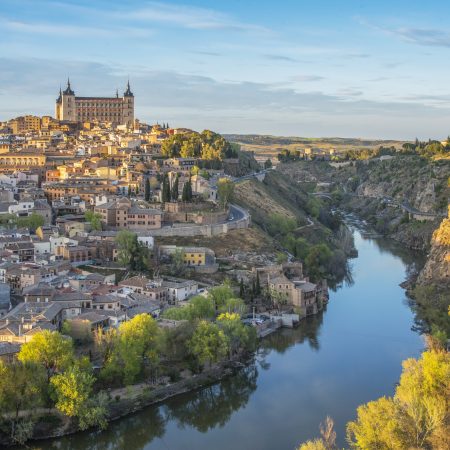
(31, 86)
(189, 17)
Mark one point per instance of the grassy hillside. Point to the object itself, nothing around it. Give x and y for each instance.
(301, 224)
(361, 186)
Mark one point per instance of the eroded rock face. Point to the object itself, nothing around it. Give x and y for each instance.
(437, 267)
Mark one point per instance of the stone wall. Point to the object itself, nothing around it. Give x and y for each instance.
(196, 217)
(204, 230)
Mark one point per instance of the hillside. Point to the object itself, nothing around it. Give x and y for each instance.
(437, 267)
(267, 144)
(302, 226)
(375, 191)
(375, 188)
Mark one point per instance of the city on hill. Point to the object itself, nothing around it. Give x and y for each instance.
(224, 225)
(119, 238)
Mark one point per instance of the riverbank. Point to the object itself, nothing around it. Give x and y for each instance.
(50, 423)
(349, 354)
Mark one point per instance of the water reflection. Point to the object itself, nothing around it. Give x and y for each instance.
(412, 259)
(353, 355)
(213, 406)
(203, 410)
(308, 331)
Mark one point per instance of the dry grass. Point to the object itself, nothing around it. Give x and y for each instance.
(243, 240)
(255, 197)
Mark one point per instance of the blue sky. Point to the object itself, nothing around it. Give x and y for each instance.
(376, 69)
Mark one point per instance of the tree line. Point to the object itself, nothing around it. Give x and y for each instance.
(206, 145)
(49, 374)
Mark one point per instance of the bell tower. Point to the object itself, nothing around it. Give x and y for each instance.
(128, 107)
(67, 107)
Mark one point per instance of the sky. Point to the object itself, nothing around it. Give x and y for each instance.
(347, 68)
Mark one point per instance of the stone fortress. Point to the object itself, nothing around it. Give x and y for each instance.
(117, 110)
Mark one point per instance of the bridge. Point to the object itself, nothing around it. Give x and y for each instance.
(322, 194)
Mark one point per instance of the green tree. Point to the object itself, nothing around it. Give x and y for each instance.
(316, 444)
(50, 349)
(317, 260)
(208, 343)
(33, 221)
(201, 308)
(21, 387)
(174, 194)
(126, 246)
(225, 192)
(281, 258)
(147, 189)
(240, 337)
(104, 341)
(186, 194)
(177, 265)
(135, 347)
(241, 288)
(177, 313)
(220, 294)
(175, 340)
(233, 305)
(417, 415)
(94, 219)
(72, 390)
(257, 285)
(268, 163)
(280, 224)
(165, 194)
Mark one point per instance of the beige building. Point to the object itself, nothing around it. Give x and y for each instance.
(23, 159)
(24, 124)
(117, 110)
(121, 213)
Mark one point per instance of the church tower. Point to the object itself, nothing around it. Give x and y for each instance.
(65, 104)
(128, 107)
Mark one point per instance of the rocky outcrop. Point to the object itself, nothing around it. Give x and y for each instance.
(437, 267)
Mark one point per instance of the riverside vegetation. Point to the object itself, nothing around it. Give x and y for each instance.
(416, 417)
(53, 380)
(301, 225)
(417, 174)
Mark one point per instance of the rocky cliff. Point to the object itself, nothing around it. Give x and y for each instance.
(437, 267)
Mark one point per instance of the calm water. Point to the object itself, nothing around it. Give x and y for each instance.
(348, 355)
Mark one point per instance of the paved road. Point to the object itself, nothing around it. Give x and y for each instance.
(236, 213)
(404, 204)
(251, 175)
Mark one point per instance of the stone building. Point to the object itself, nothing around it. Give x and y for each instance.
(122, 213)
(117, 110)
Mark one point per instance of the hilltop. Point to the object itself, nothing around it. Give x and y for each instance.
(267, 146)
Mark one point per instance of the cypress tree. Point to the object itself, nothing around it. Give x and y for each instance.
(147, 189)
(189, 189)
(165, 189)
(258, 284)
(241, 289)
(186, 195)
(175, 189)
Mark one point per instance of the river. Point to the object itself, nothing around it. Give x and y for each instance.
(349, 354)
